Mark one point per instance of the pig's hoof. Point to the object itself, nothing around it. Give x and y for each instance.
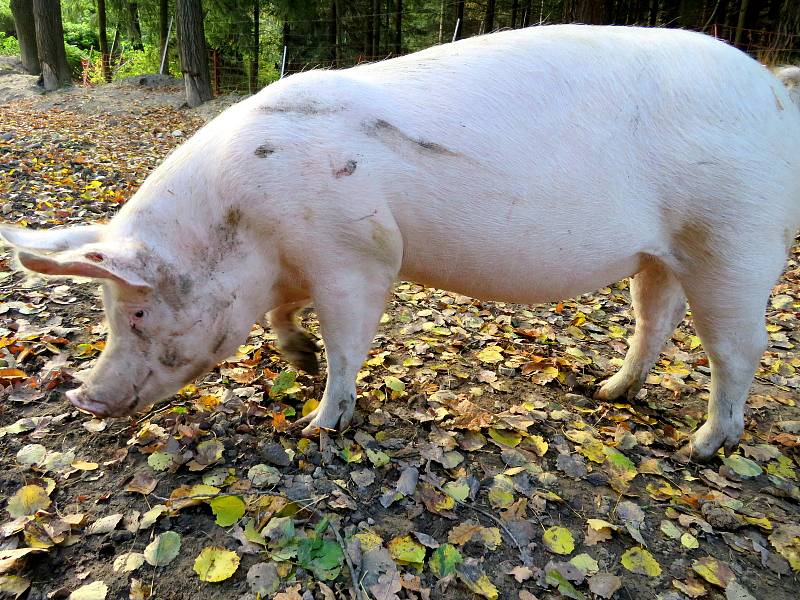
(705, 442)
(331, 420)
(300, 351)
(619, 385)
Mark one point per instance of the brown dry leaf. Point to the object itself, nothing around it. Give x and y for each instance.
(604, 584)
(142, 483)
(291, 593)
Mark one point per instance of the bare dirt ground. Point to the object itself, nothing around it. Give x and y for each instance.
(479, 465)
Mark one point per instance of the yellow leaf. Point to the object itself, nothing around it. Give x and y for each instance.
(559, 540)
(27, 501)
(689, 541)
(505, 437)
(405, 550)
(640, 561)
(369, 540)
(309, 406)
(713, 571)
(216, 564)
(491, 355)
(539, 444)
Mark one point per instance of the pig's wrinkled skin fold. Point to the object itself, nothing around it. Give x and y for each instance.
(525, 166)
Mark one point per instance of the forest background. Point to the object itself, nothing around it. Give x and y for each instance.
(239, 46)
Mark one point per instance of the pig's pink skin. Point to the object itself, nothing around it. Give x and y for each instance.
(524, 166)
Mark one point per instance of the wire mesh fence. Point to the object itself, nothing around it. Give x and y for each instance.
(243, 58)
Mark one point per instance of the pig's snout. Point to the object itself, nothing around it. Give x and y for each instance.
(80, 399)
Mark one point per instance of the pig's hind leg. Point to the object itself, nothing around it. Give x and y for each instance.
(659, 304)
(295, 343)
(728, 294)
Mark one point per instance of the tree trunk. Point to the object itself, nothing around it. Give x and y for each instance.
(135, 26)
(441, 23)
(526, 14)
(653, 16)
(50, 43)
(488, 21)
(256, 47)
(459, 19)
(740, 24)
(333, 32)
(194, 57)
(584, 11)
(398, 26)
(26, 35)
(163, 31)
(376, 28)
(103, 39)
(514, 11)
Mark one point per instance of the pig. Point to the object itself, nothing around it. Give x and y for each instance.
(525, 166)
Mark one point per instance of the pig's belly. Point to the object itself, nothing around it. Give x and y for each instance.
(521, 267)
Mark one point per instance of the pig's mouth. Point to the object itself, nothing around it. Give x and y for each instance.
(82, 400)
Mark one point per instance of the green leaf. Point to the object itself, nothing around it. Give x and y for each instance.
(559, 540)
(458, 490)
(159, 461)
(444, 559)
(227, 509)
(585, 563)
(744, 467)
(284, 384)
(378, 458)
(163, 550)
(322, 557)
(394, 384)
(564, 587)
(216, 564)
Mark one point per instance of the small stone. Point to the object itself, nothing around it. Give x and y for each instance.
(121, 535)
(275, 454)
(177, 133)
(7, 208)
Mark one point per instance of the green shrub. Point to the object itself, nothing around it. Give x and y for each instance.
(81, 35)
(137, 62)
(74, 56)
(9, 46)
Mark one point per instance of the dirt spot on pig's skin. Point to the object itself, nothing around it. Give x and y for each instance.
(348, 169)
(302, 108)
(233, 217)
(691, 242)
(264, 150)
(220, 339)
(387, 132)
(171, 358)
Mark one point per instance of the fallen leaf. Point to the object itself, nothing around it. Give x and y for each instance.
(163, 550)
(216, 564)
(640, 561)
(97, 590)
(558, 540)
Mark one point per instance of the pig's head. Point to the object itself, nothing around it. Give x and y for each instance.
(165, 327)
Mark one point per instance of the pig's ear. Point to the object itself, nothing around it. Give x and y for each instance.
(89, 263)
(51, 240)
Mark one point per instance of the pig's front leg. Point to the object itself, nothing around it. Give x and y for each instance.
(349, 312)
(350, 283)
